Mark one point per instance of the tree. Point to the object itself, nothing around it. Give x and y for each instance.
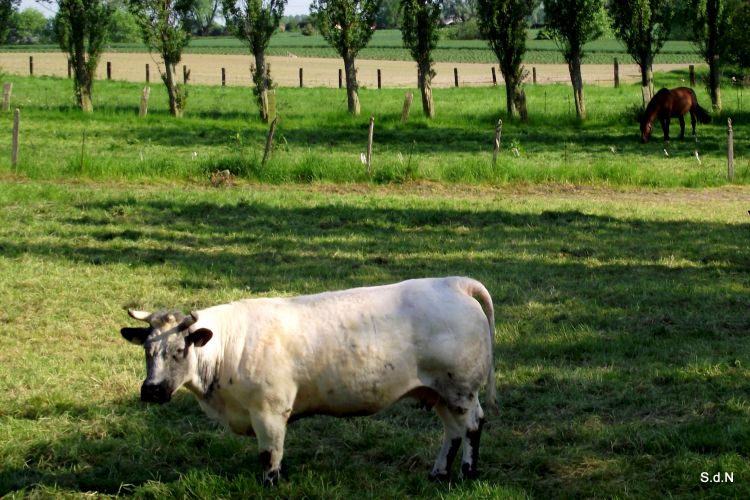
(124, 27)
(7, 8)
(573, 23)
(503, 24)
(202, 16)
(711, 35)
(419, 30)
(28, 26)
(254, 21)
(81, 27)
(739, 42)
(347, 25)
(643, 26)
(163, 24)
(389, 16)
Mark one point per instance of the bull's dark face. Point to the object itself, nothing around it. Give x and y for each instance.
(170, 351)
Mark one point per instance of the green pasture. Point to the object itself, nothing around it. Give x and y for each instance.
(387, 45)
(317, 140)
(621, 349)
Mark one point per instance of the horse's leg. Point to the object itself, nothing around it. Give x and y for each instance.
(692, 120)
(682, 126)
(665, 128)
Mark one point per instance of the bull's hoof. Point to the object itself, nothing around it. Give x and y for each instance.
(271, 479)
(438, 477)
(468, 472)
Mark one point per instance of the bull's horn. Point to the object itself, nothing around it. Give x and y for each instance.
(189, 320)
(139, 315)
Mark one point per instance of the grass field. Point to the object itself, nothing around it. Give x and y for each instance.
(622, 347)
(318, 140)
(387, 45)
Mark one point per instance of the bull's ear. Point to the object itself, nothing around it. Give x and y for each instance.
(200, 337)
(135, 335)
(139, 315)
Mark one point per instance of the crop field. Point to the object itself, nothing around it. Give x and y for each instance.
(387, 45)
(620, 274)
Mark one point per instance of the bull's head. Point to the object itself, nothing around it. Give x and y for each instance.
(170, 351)
(646, 127)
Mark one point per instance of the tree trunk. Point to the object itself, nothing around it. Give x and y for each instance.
(425, 87)
(83, 81)
(647, 76)
(260, 77)
(174, 105)
(351, 84)
(574, 66)
(714, 78)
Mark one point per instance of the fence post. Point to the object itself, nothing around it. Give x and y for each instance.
(143, 110)
(341, 78)
(148, 73)
(70, 68)
(533, 74)
(455, 76)
(498, 136)
(617, 73)
(494, 76)
(269, 141)
(109, 70)
(407, 106)
(370, 132)
(379, 81)
(185, 74)
(691, 70)
(14, 147)
(223, 77)
(730, 150)
(31, 65)
(7, 89)
(300, 78)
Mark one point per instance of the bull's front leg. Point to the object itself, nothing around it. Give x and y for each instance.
(270, 429)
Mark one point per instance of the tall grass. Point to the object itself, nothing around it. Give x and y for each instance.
(318, 141)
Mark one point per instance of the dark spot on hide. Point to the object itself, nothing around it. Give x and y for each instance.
(450, 375)
(389, 365)
(469, 471)
(212, 387)
(231, 381)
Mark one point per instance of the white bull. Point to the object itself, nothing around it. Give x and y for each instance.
(257, 364)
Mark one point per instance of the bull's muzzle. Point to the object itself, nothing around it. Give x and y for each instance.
(155, 393)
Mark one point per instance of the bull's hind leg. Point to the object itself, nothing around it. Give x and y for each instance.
(452, 437)
(473, 425)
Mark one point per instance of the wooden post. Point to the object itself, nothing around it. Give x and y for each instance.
(109, 70)
(498, 136)
(691, 69)
(533, 74)
(269, 141)
(185, 74)
(223, 77)
(70, 68)
(300, 78)
(143, 110)
(14, 147)
(148, 73)
(341, 78)
(369, 145)
(455, 76)
(379, 81)
(730, 150)
(7, 89)
(617, 73)
(494, 76)
(31, 65)
(407, 106)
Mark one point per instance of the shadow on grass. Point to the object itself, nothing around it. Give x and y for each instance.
(621, 346)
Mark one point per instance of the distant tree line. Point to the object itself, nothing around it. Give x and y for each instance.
(82, 28)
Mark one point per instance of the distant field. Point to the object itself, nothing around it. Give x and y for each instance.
(387, 45)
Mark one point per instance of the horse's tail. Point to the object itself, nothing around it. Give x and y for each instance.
(700, 113)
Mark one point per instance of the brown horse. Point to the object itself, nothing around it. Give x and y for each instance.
(667, 104)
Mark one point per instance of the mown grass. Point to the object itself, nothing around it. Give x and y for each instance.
(317, 140)
(621, 357)
(387, 45)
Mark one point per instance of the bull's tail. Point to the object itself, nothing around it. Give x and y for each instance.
(700, 113)
(477, 290)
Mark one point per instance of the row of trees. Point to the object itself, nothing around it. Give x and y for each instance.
(643, 26)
